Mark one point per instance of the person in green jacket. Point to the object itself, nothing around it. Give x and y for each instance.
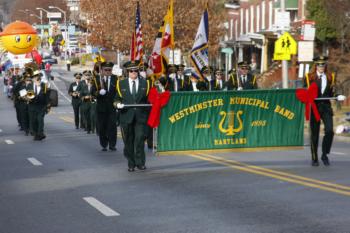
(133, 120)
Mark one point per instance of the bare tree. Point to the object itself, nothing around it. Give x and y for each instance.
(111, 21)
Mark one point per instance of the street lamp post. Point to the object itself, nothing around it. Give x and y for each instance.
(41, 12)
(66, 30)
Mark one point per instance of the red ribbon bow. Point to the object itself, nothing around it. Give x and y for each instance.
(307, 97)
(158, 101)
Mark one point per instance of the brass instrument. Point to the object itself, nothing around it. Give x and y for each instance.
(30, 95)
(75, 94)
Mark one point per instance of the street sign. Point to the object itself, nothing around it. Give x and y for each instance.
(308, 30)
(227, 50)
(51, 40)
(282, 21)
(54, 15)
(306, 51)
(285, 46)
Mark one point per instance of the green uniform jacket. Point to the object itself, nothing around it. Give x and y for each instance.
(124, 96)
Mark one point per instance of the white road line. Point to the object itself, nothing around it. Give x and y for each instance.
(105, 210)
(338, 153)
(59, 91)
(0, 130)
(10, 142)
(35, 162)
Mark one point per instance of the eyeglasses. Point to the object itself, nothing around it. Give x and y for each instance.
(244, 68)
(107, 69)
(133, 71)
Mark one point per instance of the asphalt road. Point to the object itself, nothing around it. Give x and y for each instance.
(65, 184)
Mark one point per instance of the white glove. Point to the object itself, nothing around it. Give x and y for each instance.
(120, 105)
(161, 88)
(341, 97)
(239, 88)
(102, 92)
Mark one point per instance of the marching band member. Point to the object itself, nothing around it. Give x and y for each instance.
(76, 101)
(133, 90)
(104, 90)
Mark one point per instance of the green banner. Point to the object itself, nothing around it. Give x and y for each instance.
(233, 119)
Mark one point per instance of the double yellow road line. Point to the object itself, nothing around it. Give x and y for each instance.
(279, 175)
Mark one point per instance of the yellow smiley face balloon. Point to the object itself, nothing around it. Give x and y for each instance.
(19, 37)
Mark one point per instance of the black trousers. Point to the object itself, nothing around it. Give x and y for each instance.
(326, 114)
(107, 128)
(36, 116)
(24, 114)
(134, 136)
(76, 109)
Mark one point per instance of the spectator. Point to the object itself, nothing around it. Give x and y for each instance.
(48, 70)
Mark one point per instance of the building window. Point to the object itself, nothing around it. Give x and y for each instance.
(257, 18)
(236, 29)
(252, 19)
(263, 14)
(270, 14)
(247, 20)
(242, 21)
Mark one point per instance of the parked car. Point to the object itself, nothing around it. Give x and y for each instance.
(49, 59)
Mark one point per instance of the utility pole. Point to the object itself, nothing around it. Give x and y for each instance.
(284, 62)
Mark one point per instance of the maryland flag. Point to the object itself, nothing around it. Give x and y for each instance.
(168, 32)
(156, 62)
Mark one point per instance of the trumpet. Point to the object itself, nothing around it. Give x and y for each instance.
(30, 95)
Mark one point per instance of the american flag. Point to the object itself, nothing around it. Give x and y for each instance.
(137, 51)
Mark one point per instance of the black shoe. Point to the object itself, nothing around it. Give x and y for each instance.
(76, 127)
(104, 149)
(27, 133)
(141, 167)
(315, 163)
(88, 132)
(325, 160)
(112, 148)
(131, 169)
(36, 138)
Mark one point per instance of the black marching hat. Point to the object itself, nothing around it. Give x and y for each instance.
(131, 65)
(37, 73)
(107, 64)
(87, 72)
(321, 60)
(77, 75)
(219, 71)
(243, 64)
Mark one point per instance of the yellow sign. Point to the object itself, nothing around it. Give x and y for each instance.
(51, 40)
(281, 56)
(63, 42)
(285, 46)
(99, 59)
